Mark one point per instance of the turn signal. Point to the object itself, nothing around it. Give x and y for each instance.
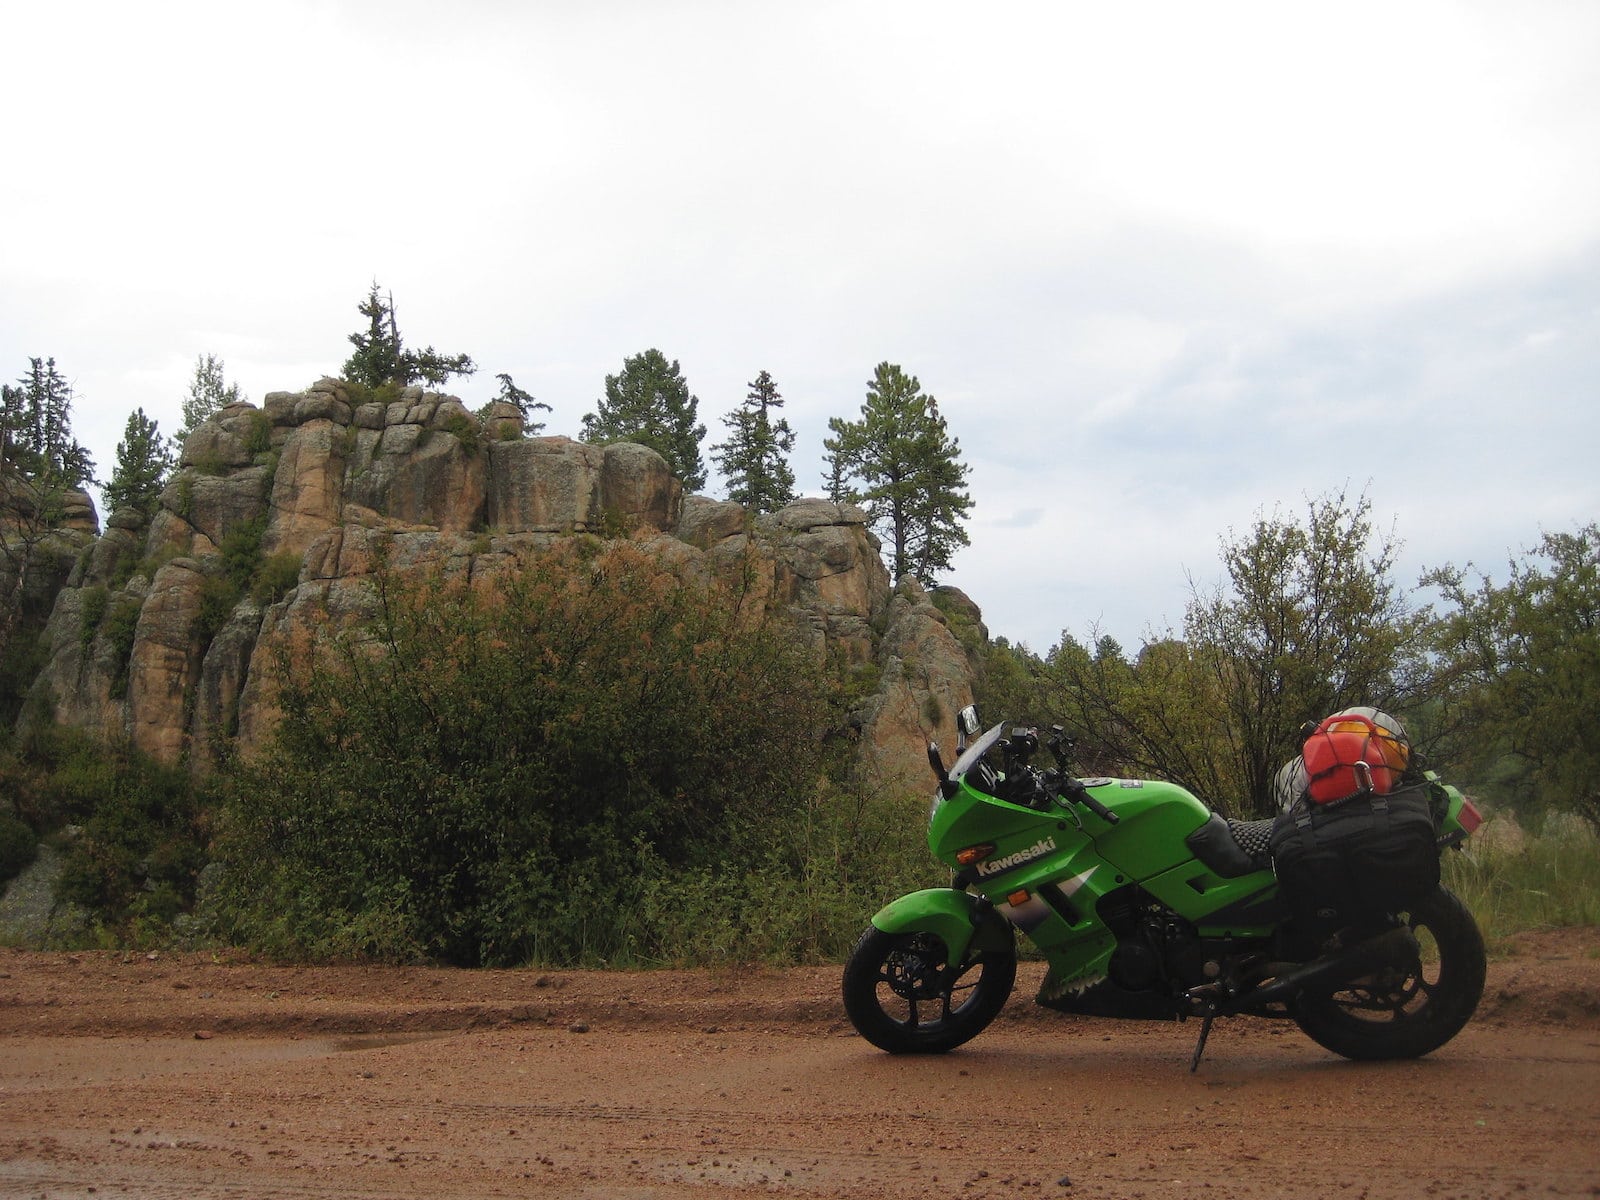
(1017, 899)
(974, 854)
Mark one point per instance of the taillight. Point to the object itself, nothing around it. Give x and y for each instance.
(1469, 818)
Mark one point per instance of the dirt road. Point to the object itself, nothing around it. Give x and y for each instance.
(163, 1076)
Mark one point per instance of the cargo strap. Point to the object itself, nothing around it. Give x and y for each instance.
(1304, 820)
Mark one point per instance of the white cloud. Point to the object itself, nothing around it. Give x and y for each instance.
(1163, 264)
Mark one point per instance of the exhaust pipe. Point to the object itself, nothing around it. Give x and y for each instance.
(1327, 973)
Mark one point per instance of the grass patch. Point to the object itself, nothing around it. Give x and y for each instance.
(1514, 881)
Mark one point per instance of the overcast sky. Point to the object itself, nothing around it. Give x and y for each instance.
(1166, 266)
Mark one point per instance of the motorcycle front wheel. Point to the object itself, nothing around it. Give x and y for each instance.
(902, 995)
(1407, 1011)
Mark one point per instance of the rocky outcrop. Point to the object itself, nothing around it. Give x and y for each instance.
(43, 538)
(268, 530)
(926, 681)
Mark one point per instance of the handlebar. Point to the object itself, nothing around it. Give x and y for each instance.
(1035, 788)
(1073, 789)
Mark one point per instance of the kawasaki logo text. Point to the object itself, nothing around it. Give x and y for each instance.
(995, 866)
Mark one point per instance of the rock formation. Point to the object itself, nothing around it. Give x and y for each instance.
(156, 637)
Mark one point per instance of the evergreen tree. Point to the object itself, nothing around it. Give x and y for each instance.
(648, 402)
(754, 458)
(144, 461)
(36, 429)
(381, 357)
(941, 502)
(11, 426)
(377, 356)
(899, 462)
(209, 392)
(510, 393)
(40, 463)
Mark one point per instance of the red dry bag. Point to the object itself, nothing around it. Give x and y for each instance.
(1351, 755)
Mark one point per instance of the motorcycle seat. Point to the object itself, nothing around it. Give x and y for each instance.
(1232, 848)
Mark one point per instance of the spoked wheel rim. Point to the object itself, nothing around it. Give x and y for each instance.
(1403, 990)
(903, 995)
(1417, 1002)
(918, 990)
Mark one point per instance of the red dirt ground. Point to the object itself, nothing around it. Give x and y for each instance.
(144, 1076)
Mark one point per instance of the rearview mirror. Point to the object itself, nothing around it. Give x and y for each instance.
(967, 720)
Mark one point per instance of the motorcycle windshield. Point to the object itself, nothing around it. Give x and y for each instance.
(975, 752)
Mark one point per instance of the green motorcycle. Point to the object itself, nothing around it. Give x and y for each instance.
(1146, 904)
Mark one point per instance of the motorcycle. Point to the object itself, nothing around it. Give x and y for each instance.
(1146, 904)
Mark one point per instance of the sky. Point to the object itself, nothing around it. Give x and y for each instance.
(1168, 268)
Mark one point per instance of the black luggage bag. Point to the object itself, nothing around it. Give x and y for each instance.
(1357, 860)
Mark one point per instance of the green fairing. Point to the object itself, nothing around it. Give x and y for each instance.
(1154, 818)
(1452, 801)
(953, 916)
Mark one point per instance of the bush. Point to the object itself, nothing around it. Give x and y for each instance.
(142, 841)
(18, 845)
(93, 605)
(121, 628)
(486, 774)
(1514, 880)
(276, 577)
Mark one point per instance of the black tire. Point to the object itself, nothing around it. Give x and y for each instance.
(903, 997)
(1405, 1012)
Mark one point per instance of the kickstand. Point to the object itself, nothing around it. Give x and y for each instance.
(1200, 1046)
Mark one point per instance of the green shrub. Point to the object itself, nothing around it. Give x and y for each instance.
(18, 845)
(92, 610)
(258, 440)
(240, 554)
(184, 499)
(388, 392)
(357, 393)
(121, 628)
(465, 429)
(141, 828)
(275, 577)
(23, 657)
(218, 596)
(490, 786)
(1514, 881)
(141, 844)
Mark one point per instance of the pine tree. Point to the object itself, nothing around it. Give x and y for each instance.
(381, 358)
(209, 392)
(900, 464)
(941, 503)
(36, 429)
(40, 463)
(377, 356)
(510, 393)
(648, 402)
(754, 458)
(144, 461)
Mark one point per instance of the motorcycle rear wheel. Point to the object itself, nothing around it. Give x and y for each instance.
(902, 995)
(1406, 1012)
